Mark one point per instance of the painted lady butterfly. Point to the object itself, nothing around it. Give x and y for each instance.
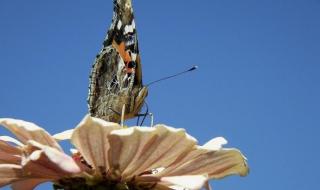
(116, 76)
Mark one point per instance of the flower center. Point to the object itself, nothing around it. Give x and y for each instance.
(78, 183)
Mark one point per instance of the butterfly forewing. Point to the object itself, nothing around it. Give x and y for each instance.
(116, 76)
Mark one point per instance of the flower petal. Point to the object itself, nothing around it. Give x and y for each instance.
(11, 140)
(9, 154)
(139, 149)
(48, 163)
(9, 158)
(186, 182)
(90, 138)
(232, 163)
(215, 144)
(9, 173)
(28, 184)
(217, 164)
(26, 131)
(162, 187)
(65, 135)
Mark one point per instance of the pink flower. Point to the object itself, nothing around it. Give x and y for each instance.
(34, 158)
(161, 157)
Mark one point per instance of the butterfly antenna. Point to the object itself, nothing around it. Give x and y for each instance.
(175, 75)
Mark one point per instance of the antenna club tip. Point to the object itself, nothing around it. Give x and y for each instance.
(194, 68)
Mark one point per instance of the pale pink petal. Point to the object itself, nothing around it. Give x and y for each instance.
(76, 156)
(8, 148)
(26, 131)
(125, 144)
(90, 138)
(232, 163)
(215, 144)
(48, 163)
(139, 149)
(209, 159)
(9, 154)
(186, 182)
(162, 187)
(6, 158)
(28, 184)
(65, 135)
(217, 164)
(9, 173)
(151, 181)
(11, 140)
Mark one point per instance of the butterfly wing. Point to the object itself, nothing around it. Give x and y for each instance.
(116, 76)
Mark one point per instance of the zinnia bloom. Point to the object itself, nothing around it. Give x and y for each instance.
(109, 156)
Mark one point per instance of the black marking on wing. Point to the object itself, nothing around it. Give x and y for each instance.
(116, 76)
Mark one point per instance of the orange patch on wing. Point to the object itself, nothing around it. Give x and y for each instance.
(121, 48)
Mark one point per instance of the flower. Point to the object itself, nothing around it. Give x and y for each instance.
(109, 155)
(34, 158)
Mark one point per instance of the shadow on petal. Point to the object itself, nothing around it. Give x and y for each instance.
(9, 154)
(48, 163)
(10, 173)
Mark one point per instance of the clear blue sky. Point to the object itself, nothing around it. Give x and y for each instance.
(257, 83)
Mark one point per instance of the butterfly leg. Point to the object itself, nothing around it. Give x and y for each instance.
(138, 120)
(144, 115)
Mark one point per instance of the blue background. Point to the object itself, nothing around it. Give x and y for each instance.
(257, 83)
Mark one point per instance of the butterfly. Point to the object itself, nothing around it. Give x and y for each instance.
(116, 75)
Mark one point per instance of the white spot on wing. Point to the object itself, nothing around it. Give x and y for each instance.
(128, 29)
(134, 56)
(119, 25)
(133, 24)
